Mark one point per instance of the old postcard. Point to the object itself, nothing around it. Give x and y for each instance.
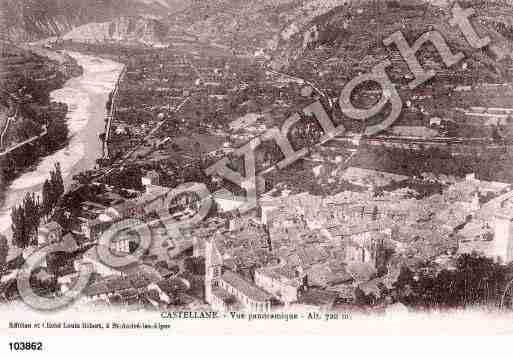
(255, 167)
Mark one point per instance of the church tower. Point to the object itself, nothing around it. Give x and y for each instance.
(213, 267)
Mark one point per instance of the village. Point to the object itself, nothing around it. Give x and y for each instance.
(294, 251)
(400, 220)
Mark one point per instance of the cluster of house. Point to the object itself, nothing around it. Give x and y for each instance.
(80, 246)
(274, 258)
(289, 281)
(297, 251)
(307, 251)
(489, 230)
(155, 199)
(137, 290)
(149, 283)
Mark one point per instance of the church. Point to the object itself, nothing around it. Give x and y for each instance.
(226, 290)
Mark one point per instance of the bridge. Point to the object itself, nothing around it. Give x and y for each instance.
(8, 122)
(26, 142)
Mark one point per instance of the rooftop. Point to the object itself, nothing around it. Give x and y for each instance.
(374, 286)
(366, 177)
(319, 297)
(152, 192)
(172, 286)
(357, 228)
(248, 289)
(119, 284)
(96, 289)
(224, 295)
(121, 208)
(139, 281)
(52, 226)
(285, 274)
(69, 244)
(361, 272)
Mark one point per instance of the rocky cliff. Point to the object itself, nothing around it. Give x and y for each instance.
(245, 25)
(351, 35)
(29, 20)
(125, 29)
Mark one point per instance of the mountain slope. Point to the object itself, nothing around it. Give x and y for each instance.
(238, 24)
(348, 36)
(125, 29)
(28, 20)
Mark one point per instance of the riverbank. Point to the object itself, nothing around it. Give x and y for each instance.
(86, 97)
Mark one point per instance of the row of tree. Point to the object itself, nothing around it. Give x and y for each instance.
(53, 189)
(25, 221)
(4, 250)
(476, 281)
(26, 217)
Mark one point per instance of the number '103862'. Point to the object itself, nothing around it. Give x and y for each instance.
(25, 346)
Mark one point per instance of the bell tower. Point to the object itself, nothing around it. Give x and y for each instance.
(213, 267)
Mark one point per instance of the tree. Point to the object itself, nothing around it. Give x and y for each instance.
(404, 285)
(25, 221)
(4, 250)
(477, 280)
(58, 133)
(19, 235)
(57, 181)
(53, 189)
(362, 299)
(129, 178)
(175, 288)
(46, 205)
(32, 214)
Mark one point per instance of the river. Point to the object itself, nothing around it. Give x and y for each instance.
(86, 97)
